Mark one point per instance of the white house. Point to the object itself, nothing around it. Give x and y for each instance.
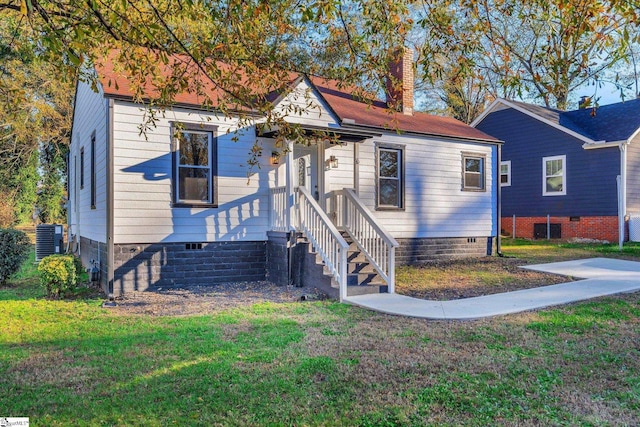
(174, 207)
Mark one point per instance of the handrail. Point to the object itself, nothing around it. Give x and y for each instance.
(372, 239)
(325, 238)
(278, 209)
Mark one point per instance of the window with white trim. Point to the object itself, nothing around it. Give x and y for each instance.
(194, 167)
(554, 177)
(505, 173)
(473, 176)
(390, 178)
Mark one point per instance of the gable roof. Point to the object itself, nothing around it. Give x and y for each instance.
(375, 113)
(340, 99)
(606, 123)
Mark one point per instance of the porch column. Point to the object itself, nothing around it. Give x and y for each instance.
(289, 171)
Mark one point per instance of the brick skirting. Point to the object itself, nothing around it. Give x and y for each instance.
(588, 227)
(138, 267)
(421, 250)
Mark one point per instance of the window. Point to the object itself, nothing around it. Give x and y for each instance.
(390, 178)
(81, 168)
(93, 170)
(505, 173)
(554, 179)
(194, 166)
(473, 172)
(302, 172)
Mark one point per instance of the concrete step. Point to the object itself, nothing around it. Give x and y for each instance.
(366, 290)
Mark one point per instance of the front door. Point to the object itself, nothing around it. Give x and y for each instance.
(306, 168)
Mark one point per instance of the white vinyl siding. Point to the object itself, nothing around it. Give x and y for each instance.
(434, 204)
(505, 173)
(302, 106)
(554, 176)
(88, 186)
(143, 211)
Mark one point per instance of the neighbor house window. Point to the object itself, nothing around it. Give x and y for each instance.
(473, 176)
(93, 171)
(194, 166)
(554, 177)
(505, 173)
(390, 178)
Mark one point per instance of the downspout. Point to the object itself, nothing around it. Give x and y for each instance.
(499, 205)
(109, 203)
(622, 211)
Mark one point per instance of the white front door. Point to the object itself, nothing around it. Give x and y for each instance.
(306, 168)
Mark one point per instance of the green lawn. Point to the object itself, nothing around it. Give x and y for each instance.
(68, 363)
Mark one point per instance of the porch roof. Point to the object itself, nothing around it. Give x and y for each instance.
(343, 134)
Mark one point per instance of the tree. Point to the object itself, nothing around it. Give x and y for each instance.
(35, 113)
(245, 50)
(538, 47)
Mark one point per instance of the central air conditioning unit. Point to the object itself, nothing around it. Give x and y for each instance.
(49, 240)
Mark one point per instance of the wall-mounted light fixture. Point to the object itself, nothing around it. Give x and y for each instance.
(275, 158)
(333, 162)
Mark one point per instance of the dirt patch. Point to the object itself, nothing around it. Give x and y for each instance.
(194, 300)
(438, 281)
(450, 280)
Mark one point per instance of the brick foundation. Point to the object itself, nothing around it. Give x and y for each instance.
(138, 267)
(421, 251)
(588, 227)
(278, 257)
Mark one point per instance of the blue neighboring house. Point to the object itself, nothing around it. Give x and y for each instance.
(581, 168)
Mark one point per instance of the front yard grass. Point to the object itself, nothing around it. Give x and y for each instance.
(73, 363)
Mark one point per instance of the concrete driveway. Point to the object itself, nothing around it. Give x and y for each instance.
(602, 276)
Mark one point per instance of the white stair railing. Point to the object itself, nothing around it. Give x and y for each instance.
(371, 238)
(325, 238)
(278, 209)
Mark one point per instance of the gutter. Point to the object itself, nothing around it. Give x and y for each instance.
(623, 191)
(602, 144)
(346, 124)
(499, 204)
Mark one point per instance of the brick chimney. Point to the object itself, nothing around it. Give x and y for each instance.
(400, 81)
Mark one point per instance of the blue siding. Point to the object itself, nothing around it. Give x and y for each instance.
(591, 174)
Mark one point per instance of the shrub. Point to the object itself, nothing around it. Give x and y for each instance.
(14, 249)
(58, 274)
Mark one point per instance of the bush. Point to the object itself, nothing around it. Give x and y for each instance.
(14, 249)
(58, 274)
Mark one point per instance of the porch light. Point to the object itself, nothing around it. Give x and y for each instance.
(333, 162)
(275, 158)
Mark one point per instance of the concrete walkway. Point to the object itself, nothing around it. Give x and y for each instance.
(603, 276)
